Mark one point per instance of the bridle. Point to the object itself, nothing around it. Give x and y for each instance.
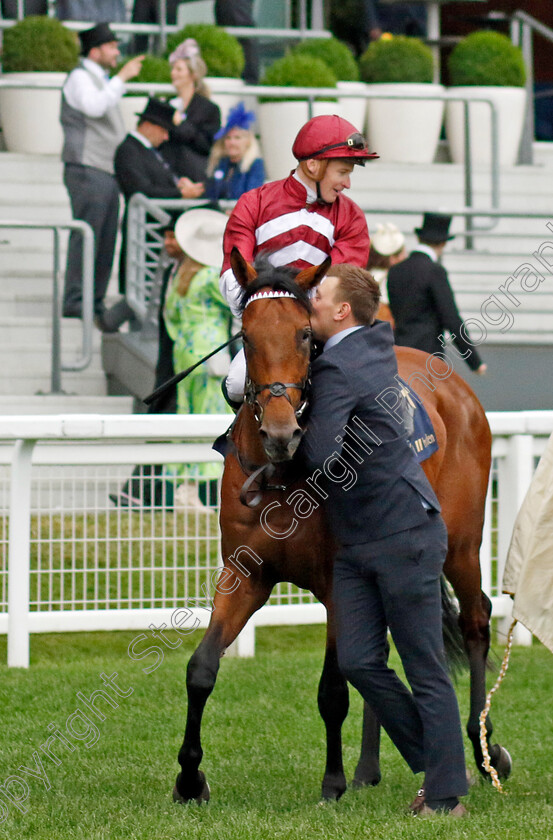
(276, 389)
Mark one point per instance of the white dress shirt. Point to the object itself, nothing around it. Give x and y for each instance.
(82, 94)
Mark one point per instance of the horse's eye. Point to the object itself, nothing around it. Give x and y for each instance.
(307, 334)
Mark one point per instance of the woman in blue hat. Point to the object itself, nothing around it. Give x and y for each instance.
(235, 163)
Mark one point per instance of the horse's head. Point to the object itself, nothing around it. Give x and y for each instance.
(277, 341)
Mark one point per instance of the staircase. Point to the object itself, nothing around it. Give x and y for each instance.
(518, 344)
(32, 190)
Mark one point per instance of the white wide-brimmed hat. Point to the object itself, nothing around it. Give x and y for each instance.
(387, 239)
(200, 232)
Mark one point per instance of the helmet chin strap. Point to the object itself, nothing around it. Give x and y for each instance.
(316, 176)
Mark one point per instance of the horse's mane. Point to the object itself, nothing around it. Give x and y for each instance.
(278, 278)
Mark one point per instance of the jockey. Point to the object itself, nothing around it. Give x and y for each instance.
(301, 219)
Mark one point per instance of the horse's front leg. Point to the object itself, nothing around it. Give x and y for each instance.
(333, 703)
(231, 611)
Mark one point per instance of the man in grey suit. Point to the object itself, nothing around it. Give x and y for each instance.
(392, 540)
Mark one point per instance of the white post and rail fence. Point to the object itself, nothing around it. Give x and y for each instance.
(71, 560)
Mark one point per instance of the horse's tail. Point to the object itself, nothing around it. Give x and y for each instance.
(455, 652)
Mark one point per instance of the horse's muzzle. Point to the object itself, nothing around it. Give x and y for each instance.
(282, 446)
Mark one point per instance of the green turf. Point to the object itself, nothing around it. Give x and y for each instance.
(263, 749)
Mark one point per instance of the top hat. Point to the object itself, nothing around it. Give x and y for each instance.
(95, 37)
(387, 240)
(435, 228)
(158, 112)
(199, 233)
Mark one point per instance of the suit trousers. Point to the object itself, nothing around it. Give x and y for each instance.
(240, 13)
(395, 582)
(94, 197)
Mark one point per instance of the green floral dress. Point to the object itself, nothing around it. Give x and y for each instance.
(197, 323)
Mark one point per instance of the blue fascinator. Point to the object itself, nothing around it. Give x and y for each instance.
(237, 117)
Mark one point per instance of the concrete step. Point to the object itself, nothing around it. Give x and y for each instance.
(87, 383)
(36, 357)
(30, 168)
(36, 192)
(16, 331)
(47, 212)
(65, 404)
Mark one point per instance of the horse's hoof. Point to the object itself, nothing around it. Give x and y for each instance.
(504, 764)
(332, 793)
(202, 797)
(361, 781)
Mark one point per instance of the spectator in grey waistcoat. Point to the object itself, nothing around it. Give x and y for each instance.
(93, 128)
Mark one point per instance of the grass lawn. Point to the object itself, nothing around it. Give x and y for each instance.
(263, 749)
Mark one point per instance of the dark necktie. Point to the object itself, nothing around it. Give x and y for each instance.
(166, 166)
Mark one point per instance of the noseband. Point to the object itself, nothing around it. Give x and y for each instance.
(275, 389)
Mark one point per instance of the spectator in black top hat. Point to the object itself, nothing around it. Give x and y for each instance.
(422, 301)
(140, 168)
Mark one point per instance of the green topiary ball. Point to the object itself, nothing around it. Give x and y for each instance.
(154, 69)
(39, 44)
(298, 71)
(221, 52)
(335, 55)
(397, 58)
(486, 58)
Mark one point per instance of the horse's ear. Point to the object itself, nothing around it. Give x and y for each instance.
(309, 277)
(243, 271)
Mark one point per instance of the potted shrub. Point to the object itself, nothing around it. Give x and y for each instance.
(36, 47)
(487, 64)
(281, 119)
(224, 57)
(406, 130)
(154, 69)
(339, 57)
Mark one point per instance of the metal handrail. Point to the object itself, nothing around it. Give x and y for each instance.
(162, 31)
(523, 27)
(143, 257)
(310, 94)
(88, 294)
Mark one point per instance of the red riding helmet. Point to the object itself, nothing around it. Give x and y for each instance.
(330, 136)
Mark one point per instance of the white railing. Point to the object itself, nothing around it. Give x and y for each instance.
(71, 561)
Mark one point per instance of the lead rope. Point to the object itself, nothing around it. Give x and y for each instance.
(485, 711)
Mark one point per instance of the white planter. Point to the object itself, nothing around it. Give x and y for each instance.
(31, 117)
(510, 104)
(279, 122)
(404, 130)
(225, 101)
(354, 109)
(131, 106)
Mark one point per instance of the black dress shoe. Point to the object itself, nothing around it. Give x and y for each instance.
(101, 323)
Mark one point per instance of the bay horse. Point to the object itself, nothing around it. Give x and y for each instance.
(286, 538)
